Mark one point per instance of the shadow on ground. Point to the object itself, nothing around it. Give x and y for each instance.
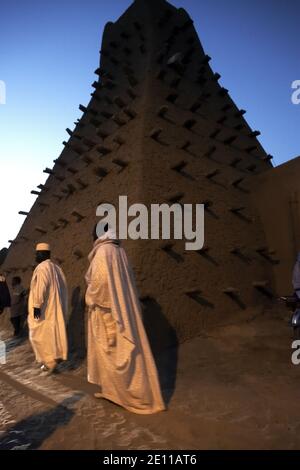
(164, 344)
(76, 330)
(31, 432)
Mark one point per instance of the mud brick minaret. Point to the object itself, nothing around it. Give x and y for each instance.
(158, 128)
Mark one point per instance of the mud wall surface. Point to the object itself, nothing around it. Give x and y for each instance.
(276, 195)
(160, 129)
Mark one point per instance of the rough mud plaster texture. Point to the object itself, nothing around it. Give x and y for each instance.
(158, 130)
(276, 195)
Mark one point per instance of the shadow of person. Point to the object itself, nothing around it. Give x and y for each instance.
(164, 344)
(31, 432)
(15, 342)
(76, 328)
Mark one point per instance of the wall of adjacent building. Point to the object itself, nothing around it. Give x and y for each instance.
(276, 194)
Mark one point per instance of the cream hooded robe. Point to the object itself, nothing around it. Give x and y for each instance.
(48, 291)
(122, 366)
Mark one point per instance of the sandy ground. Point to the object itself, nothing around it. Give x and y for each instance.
(235, 388)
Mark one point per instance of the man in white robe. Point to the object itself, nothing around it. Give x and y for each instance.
(120, 360)
(47, 309)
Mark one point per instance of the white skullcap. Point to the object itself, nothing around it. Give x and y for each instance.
(42, 247)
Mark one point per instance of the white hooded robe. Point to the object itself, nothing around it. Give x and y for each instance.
(120, 360)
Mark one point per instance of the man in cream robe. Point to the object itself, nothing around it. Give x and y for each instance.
(47, 309)
(120, 360)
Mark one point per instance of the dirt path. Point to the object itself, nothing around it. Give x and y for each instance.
(236, 388)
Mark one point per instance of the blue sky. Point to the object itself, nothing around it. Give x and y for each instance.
(50, 49)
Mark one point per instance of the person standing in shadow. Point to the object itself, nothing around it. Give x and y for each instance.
(5, 299)
(18, 304)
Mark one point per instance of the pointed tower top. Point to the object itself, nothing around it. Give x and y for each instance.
(153, 3)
